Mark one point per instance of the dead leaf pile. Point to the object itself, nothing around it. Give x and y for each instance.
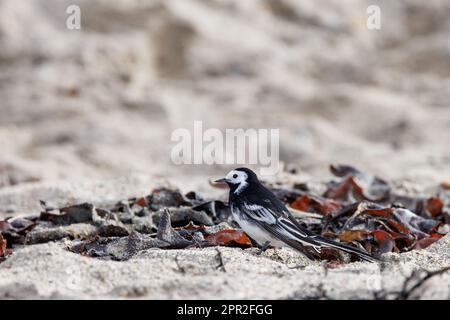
(372, 216)
(358, 209)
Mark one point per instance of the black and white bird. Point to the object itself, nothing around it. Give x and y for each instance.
(267, 221)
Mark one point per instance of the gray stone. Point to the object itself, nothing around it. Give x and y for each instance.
(182, 216)
(73, 231)
(126, 247)
(168, 234)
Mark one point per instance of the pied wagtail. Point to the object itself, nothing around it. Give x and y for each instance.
(267, 221)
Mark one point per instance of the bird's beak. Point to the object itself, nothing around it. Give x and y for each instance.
(222, 180)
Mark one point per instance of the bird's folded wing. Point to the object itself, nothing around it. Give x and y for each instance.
(259, 213)
(285, 228)
(277, 224)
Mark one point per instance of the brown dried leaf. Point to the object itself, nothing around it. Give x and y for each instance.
(425, 243)
(434, 206)
(230, 238)
(142, 202)
(301, 203)
(354, 235)
(357, 185)
(399, 227)
(320, 205)
(402, 242)
(345, 189)
(2, 246)
(385, 212)
(404, 221)
(5, 226)
(385, 241)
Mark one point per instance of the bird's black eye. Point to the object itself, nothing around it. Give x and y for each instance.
(235, 176)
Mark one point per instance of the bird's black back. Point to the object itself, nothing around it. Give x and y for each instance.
(256, 193)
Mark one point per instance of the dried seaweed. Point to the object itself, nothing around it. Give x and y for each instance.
(231, 238)
(358, 209)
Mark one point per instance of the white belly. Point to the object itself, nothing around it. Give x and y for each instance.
(258, 234)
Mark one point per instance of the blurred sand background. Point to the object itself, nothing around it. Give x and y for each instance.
(86, 114)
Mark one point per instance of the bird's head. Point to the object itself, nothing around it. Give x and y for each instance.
(238, 179)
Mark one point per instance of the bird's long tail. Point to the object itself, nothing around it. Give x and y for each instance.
(324, 242)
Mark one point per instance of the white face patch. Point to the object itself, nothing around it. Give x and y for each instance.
(237, 177)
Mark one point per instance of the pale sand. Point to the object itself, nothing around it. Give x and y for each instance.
(87, 116)
(49, 271)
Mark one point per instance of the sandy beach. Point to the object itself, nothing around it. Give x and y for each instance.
(87, 116)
